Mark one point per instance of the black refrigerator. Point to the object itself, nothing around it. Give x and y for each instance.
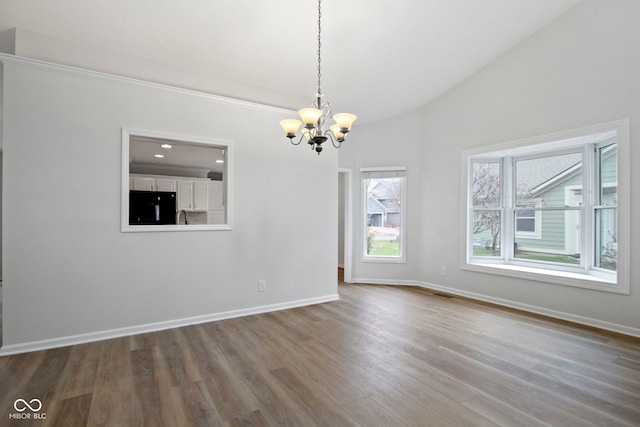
(152, 207)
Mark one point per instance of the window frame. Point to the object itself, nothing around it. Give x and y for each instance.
(598, 204)
(384, 172)
(513, 201)
(586, 275)
(500, 203)
(128, 133)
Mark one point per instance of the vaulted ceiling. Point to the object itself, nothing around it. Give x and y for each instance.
(379, 58)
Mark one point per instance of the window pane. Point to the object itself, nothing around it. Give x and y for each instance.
(608, 157)
(486, 185)
(559, 239)
(607, 238)
(526, 225)
(486, 233)
(554, 181)
(384, 216)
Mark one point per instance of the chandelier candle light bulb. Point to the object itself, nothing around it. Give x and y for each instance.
(316, 117)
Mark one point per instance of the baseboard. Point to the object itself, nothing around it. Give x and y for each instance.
(47, 344)
(389, 282)
(582, 320)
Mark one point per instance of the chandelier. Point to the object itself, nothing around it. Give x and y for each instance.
(316, 116)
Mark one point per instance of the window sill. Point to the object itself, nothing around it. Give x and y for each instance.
(126, 228)
(381, 259)
(565, 278)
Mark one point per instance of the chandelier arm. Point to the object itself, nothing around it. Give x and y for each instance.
(333, 138)
(299, 141)
(324, 118)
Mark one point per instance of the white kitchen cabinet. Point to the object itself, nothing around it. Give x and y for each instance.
(192, 195)
(141, 183)
(150, 183)
(200, 195)
(185, 195)
(165, 184)
(215, 201)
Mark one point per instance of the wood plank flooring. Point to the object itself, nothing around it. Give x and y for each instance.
(0, 310)
(381, 356)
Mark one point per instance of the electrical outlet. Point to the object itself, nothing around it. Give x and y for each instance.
(262, 285)
(443, 271)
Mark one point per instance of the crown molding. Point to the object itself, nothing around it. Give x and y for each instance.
(38, 64)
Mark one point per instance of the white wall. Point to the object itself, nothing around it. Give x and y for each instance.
(1, 164)
(341, 217)
(581, 70)
(70, 274)
(395, 142)
(1, 161)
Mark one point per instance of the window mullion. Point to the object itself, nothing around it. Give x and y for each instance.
(588, 202)
(508, 196)
(470, 210)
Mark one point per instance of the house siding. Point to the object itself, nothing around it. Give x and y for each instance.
(553, 234)
(554, 237)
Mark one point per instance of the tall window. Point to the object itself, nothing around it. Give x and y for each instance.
(384, 214)
(550, 208)
(486, 206)
(606, 208)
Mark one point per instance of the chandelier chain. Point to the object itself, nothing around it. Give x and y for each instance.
(319, 46)
(317, 128)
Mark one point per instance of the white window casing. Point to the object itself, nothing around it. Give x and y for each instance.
(391, 173)
(604, 203)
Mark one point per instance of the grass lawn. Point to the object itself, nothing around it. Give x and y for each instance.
(565, 259)
(537, 256)
(484, 252)
(384, 247)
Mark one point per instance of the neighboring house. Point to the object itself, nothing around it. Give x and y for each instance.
(376, 212)
(383, 204)
(553, 231)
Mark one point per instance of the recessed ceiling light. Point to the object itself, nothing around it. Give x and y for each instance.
(219, 161)
(166, 146)
(160, 156)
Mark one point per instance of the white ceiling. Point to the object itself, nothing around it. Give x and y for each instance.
(380, 58)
